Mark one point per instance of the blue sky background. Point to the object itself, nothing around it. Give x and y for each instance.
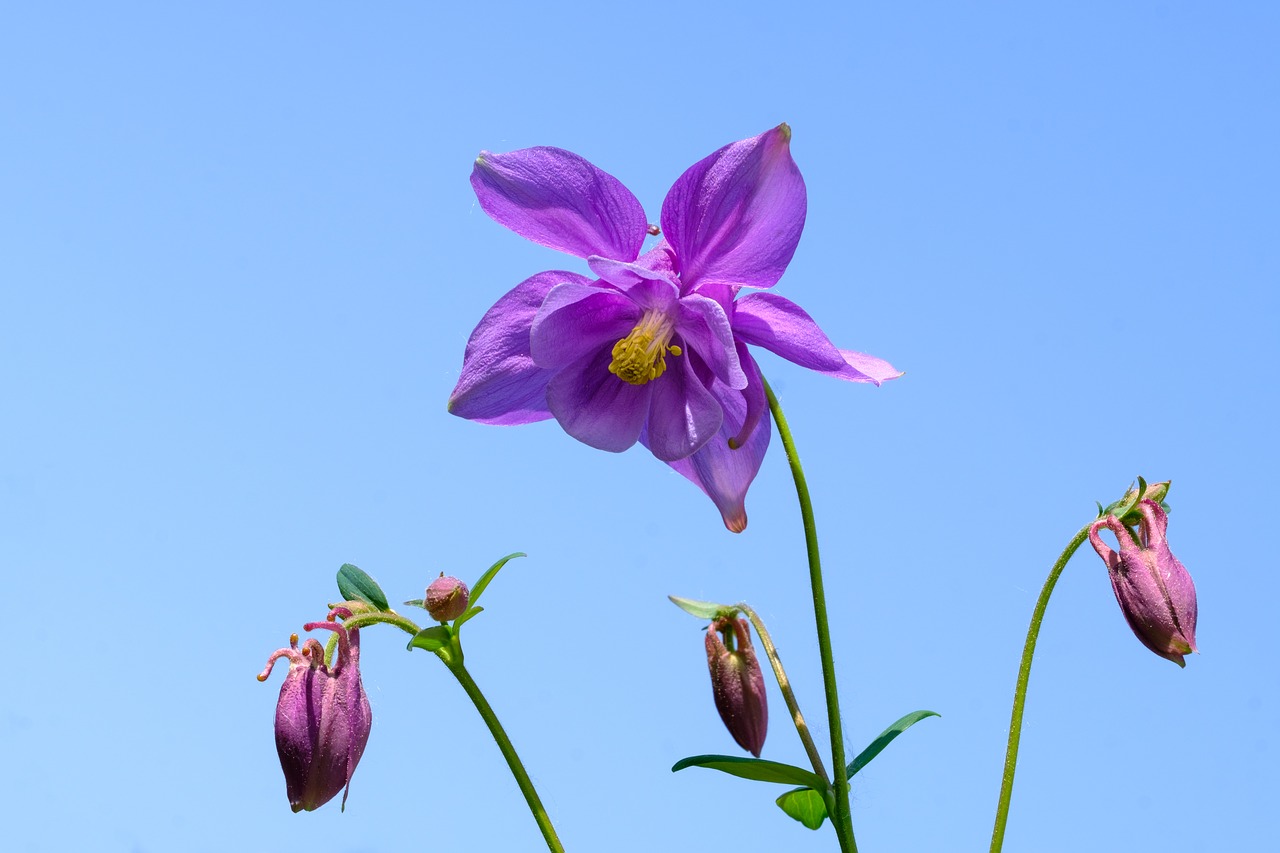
(239, 261)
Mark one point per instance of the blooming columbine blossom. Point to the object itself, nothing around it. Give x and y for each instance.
(1155, 591)
(322, 718)
(654, 347)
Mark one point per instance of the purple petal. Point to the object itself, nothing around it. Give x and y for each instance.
(499, 383)
(576, 320)
(753, 395)
(735, 217)
(724, 474)
(705, 327)
(683, 415)
(596, 407)
(661, 258)
(782, 327)
(556, 198)
(625, 276)
(860, 367)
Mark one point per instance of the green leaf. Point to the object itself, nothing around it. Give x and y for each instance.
(431, 639)
(754, 768)
(702, 609)
(471, 611)
(416, 602)
(355, 585)
(489, 575)
(805, 805)
(886, 737)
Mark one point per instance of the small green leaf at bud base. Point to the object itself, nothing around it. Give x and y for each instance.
(446, 598)
(737, 683)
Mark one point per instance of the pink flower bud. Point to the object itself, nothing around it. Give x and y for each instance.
(322, 718)
(737, 683)
(1155, 592)
(447, 598)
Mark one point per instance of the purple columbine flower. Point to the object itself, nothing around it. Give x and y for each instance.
(654, 347)
(737, 683)
(1155, 591)
(322, 717)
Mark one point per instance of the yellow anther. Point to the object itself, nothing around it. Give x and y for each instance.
(642, 355)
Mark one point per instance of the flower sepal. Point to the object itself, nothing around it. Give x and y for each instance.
(704, 609)
(1126, 509)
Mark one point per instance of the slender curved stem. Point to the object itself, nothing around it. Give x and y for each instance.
(771, 651)
(509, 753)
(841, 819)
(389, 617)
(1020, 691)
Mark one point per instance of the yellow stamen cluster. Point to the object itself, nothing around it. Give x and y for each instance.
(642, 355)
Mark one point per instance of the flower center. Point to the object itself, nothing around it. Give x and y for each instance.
(642, 355)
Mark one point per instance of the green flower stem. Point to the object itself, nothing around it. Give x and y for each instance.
(390, 617)
(788, 694)
(509, 753)
(841, 819)
(1020, 691)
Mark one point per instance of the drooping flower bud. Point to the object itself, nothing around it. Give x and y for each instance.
(737, 683)
(1155, 592)
(447, 598)
(322, 718)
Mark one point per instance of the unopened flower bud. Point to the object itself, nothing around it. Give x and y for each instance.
(1155, 592)
(447, 598)
(737, 683)
(322, 718)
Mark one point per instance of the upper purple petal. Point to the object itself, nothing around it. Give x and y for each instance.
(576, 320)
(500, 383)
(683, 415)
(596, 407)
(781, 326)
(556, 198)
(735, 217)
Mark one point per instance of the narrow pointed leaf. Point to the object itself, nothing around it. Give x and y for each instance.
(489, 575)
(886, 737)
(416, 602)
(358, 586)
(805, 805)
(471, 611)
(702, 609)
(753, 768)
(435, 637)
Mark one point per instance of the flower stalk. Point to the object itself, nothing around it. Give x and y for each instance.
(509, 753)
(841, 819)
(1020, 691)
(788, 695)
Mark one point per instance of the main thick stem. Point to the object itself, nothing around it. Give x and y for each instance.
(509, 753)
(1020, 691)
(841, 819)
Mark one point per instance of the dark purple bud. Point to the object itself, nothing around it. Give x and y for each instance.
(447, 599)
(322, 718)
(737, 683)
(1154, 590)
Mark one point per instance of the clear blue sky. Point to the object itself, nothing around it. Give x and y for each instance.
(239, 261)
